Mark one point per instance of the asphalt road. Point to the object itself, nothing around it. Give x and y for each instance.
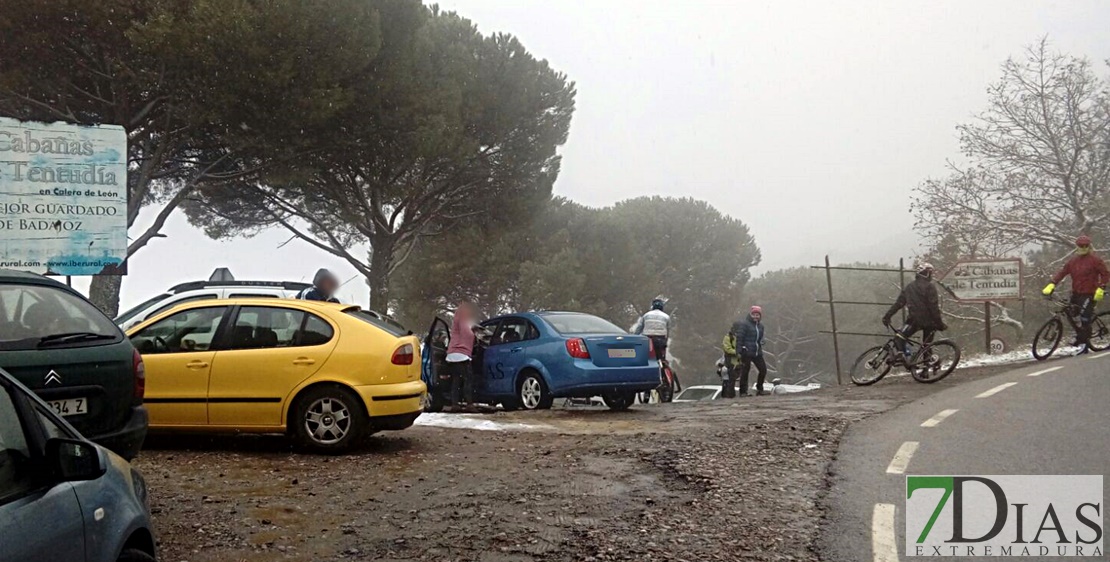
(1044, 418)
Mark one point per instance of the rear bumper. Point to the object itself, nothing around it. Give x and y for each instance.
(126, 441)
(393, 400)
(583, 379)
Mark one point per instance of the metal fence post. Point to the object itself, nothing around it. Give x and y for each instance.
(987, 323)
(832, 314)
(902, 284)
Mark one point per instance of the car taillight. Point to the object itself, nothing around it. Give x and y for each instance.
(576, 347)
(139, 370)
(651, 349)
(403, 355)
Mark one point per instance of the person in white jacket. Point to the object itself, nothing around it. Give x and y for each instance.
(655, 324)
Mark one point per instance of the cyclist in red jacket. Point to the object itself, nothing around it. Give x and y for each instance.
(1089, 277)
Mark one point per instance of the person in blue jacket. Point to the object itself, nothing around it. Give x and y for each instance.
(748, 333)
(324, 286)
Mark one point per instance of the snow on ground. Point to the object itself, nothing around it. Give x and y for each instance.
(471, 421)
(1023, 355)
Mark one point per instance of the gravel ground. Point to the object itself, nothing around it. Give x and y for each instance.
(728, 480)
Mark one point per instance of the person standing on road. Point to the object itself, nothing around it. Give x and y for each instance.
(1088, 286)
(730, 368)
(748, 334)
(324, 286)
(656, 325)
(459, 354)
(922, 301)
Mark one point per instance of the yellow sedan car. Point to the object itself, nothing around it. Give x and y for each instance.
(326, 374)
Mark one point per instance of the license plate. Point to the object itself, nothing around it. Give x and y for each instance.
(622, 353)
(71, 407)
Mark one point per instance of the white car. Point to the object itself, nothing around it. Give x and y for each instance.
(220, 286)
(699, 393)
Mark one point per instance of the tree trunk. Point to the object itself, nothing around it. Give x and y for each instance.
(104, 293)
(381, 257)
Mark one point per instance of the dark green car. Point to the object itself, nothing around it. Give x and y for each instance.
(75, 358)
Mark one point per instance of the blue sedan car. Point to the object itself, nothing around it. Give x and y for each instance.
(532, 358)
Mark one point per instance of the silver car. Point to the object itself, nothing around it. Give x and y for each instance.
(63, 498)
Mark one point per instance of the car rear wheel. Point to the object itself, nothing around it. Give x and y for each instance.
(619, 400)
(432, 402)
(532, 393)
(329, 419)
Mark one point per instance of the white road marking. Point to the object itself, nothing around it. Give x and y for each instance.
(884, 543)
(1097, 355)
(1044, 372)
(995, 390)
(935, 420)
(902, 458)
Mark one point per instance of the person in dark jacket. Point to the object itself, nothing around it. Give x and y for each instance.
(747, 333)
(1088, 286)
(920, 298)
(324, 286)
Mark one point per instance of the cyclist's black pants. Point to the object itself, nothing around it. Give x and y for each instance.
(909, 330)
(660, 344)
(1086, 308)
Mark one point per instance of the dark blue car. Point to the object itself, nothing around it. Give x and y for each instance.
(532, 358)
(62, 497)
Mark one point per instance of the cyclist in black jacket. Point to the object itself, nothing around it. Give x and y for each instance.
(923, 302)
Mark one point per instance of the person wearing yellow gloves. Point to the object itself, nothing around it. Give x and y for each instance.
(1089, 277)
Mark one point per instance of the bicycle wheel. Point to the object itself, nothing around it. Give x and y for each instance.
(936, 362)
(1047, 339)
(1100, 332)
(871, 366)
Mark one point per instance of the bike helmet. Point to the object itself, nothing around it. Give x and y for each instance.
(658, 304)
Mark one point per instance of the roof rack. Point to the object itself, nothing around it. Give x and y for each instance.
(193, 285)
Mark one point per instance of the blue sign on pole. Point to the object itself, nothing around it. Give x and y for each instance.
(63, 198)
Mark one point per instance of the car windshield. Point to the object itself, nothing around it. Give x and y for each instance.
(32, 315)
(581, 324)
(697, 394)
(135, 310)
(380, 321)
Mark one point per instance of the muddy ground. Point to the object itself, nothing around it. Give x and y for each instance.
(727, 480)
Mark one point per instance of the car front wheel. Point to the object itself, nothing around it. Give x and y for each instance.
(134, 555)
(329, 419)
(532, 393)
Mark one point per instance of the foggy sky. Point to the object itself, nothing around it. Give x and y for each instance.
(810, 121)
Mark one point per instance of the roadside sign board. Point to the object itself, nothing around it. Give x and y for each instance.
(985, 280)
(63, 198)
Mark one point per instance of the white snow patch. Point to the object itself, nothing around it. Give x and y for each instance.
(1015, 356)
(471, 421)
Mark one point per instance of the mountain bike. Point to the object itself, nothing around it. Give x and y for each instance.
(668, 382)
(1049, 335)
(927, 362)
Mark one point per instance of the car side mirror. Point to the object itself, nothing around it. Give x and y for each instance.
(74, 460)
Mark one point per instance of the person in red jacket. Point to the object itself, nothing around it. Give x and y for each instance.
(1089, 277)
